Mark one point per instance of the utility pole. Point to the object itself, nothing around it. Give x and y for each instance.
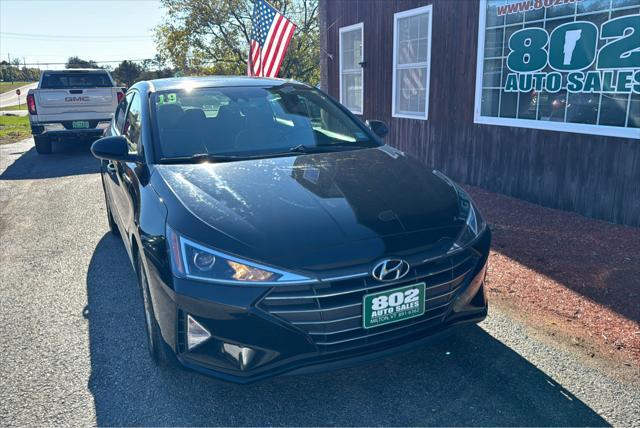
(10, 72)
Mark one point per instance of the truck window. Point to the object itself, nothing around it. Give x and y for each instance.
(70, 79)
(133, 127)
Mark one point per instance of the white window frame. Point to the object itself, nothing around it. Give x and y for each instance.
(396, 17)
(347, 29)
(580, 128)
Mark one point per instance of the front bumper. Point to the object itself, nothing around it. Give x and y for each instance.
(277, 342)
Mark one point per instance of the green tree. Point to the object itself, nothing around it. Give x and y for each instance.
(212, 37)
(8, 73)
(76, 62)
(127, 72)
(13, 73)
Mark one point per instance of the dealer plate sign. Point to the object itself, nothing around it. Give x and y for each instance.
(394, 305)
(80, 124)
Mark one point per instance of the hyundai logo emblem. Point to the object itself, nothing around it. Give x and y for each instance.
(390, 270)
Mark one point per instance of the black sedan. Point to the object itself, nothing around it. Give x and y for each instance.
(273, 232)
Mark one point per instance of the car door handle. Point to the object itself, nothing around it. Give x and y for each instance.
(111, 168)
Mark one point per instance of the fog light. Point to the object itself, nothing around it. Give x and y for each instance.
(196, 333)
(242, 355)
(463, 300)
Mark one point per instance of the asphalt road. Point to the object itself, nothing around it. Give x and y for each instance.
(72, 346)
(8, 99)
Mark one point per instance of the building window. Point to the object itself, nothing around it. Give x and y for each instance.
(411, 63)
(351, 55)
(564, 66)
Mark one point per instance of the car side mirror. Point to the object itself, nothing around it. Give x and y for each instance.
(114, 148)
(378, 127)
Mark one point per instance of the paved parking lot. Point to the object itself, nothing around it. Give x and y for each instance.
(72, 348)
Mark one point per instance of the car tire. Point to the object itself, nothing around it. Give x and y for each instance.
(43, 145)
(161, 354)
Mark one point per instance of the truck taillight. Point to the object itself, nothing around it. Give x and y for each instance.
(31, 104)
(120, 96)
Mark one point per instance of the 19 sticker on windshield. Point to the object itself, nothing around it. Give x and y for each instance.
(395, 305)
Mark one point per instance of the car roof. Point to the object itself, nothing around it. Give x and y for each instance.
(212, 82)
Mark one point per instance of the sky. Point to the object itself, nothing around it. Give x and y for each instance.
(50, 31)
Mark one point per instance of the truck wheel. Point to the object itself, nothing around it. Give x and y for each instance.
(43, 145)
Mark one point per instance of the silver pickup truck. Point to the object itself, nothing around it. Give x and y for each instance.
(71, 104)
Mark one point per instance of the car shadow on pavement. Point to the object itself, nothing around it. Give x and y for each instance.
(66, 160)
(471, 379)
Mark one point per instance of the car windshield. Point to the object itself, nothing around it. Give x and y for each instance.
(243, 122)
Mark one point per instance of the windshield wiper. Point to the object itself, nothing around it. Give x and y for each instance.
(355, 144)
(202, 157)
(301, 148)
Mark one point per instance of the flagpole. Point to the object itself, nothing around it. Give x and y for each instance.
(250, 60)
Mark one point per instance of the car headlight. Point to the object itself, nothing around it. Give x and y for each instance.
(474, 224)
(192, 260)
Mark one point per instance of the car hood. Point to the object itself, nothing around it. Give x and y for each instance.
(378, 199)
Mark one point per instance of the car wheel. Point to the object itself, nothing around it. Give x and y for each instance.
(43, 145)
(159, 351)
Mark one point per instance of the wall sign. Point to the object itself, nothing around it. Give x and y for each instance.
(566, 65)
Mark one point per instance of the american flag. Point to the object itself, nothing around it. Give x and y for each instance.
(270, 38)
(412, 81)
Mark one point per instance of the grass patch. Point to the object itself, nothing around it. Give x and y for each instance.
(14, 128)
(23, 106)
(11, 86)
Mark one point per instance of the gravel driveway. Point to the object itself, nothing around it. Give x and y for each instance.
(72, 348)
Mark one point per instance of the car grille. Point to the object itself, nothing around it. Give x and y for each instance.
(330, 313)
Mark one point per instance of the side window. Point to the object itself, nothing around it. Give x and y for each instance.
(121, 113)
(133, 124)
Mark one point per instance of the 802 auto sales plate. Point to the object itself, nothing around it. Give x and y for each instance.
(394, 305)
